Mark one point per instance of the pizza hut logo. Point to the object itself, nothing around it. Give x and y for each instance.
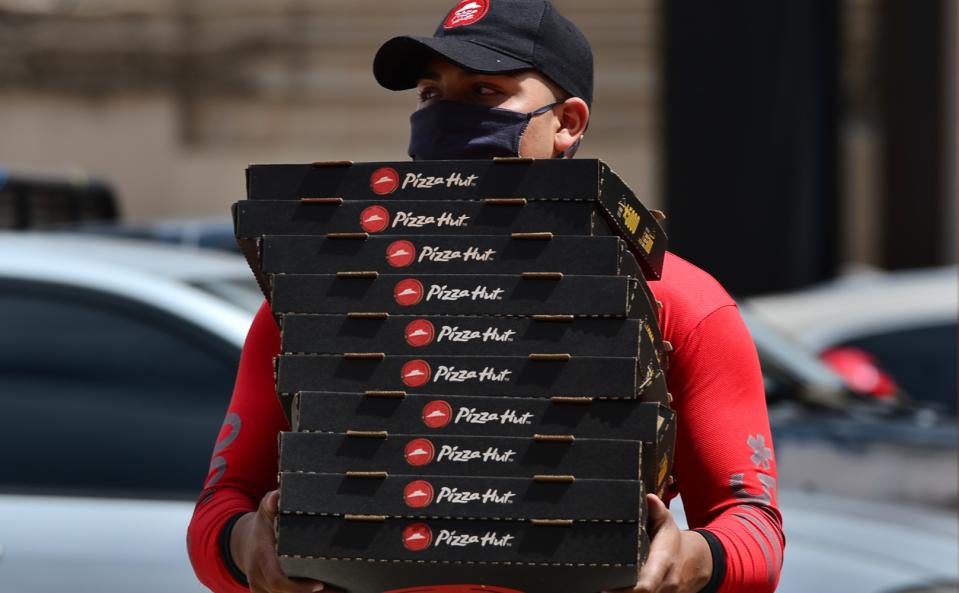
(384, 181)
(418, 494)
(374, 219)
(417, 537)
(465, 13)
(419, 452)
(419, 333)
(408, 292)
(400, 254)
(437, 414)
(415, 373)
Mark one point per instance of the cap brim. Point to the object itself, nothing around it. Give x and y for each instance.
(401, 61)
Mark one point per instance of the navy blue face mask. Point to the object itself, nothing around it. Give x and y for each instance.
(448, 130)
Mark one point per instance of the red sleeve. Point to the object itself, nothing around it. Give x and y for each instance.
(244, 462)
(724, 464)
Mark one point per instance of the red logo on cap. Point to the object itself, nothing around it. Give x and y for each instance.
(419, 332)
(400, 254)
(416, 373)
(437, 414)
(384, 181)
(408, 292)
(374, 219)
(417, 536)
(418, 494)
(466, 12)
(419, 452)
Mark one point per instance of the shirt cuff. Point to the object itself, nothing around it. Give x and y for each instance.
(225, 553)
(718, 554)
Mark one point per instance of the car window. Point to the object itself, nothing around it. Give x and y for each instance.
(104, 395)
(922, 360)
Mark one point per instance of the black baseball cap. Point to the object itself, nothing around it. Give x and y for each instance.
(495, 36)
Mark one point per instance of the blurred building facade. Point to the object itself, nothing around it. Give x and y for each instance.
(170, 99)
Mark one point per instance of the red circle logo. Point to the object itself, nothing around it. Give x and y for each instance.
(437, 414)
(408, 292)
(465, 13)
(419, 333)
(384, 181)
(418, 494)
(400, 254)
(374, 219)
(416, 373)
(419, 452)
(417, 536)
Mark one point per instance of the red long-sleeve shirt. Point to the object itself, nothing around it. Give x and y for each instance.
(724, 466)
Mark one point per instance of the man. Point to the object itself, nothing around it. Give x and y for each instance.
(513, 77)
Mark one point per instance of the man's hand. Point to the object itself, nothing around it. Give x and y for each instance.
(253, 547)
(679, 561)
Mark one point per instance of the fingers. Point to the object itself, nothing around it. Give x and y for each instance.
(269, 505)
(664, 548)
(268, 576)
(659, 515)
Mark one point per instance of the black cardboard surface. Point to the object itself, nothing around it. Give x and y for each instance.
(461, 497)
(451, 540)
(367, 576)
(453, 455)
(255, 218)
(652, 423)
(474, 335)
(444, 254)
(475, 415)
(591, 181)
(585, 296)
(510, 376)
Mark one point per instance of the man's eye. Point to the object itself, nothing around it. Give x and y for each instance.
(482, 89)
(426, 94)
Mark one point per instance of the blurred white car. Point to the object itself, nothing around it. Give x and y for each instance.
(841, 545)
(117, 360)
(104, 447)
(905, 320)
(879, 448)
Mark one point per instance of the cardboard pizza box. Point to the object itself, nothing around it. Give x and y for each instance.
(556, 181)
(534, 375)
(461, 497)
(461, 294)
(446, 254)
(373, 554)
(427, 454)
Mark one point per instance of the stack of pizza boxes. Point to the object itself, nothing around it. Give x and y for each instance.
(472, 369)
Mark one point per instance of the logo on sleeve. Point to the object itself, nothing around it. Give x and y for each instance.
(384, 181)
(400, 254)
(419, 333)
(437, 414)
(408, 292)
(374, 219)
(417, 537)
(418, 494)
(416, 373)
(419, 452)
(465, 13)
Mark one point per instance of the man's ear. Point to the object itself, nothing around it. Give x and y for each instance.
(573, 119)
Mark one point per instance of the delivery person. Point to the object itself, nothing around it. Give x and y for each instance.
(513, 77)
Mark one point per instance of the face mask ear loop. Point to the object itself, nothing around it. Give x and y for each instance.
(570, 150)
(543, 109)
(529, 118)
